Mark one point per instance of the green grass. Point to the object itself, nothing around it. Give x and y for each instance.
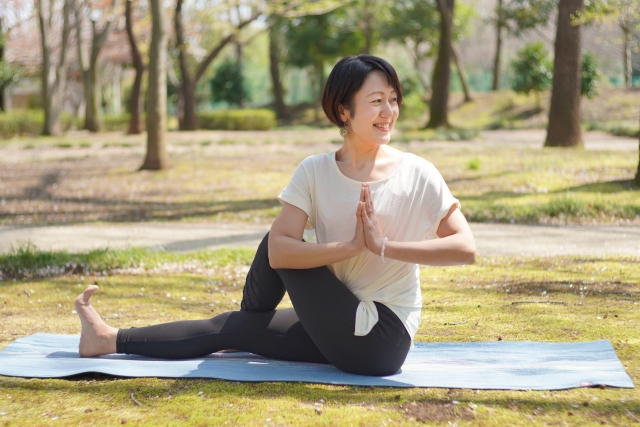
(614, 110)
(28, 261)
(594, 298)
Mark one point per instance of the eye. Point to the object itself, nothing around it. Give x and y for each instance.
(394, 99)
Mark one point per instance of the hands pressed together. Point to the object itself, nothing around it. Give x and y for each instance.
(368, 232)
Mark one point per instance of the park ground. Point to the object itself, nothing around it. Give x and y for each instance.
(230, 178)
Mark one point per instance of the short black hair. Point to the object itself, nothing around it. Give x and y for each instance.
(347, 77)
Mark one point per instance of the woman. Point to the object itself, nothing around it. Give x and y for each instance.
(356, 293)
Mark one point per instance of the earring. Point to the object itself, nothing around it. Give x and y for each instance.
(344, 131)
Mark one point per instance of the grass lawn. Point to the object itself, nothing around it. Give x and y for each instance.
(497, 298)
(235, 177)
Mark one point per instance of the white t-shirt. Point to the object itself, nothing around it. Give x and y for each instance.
(409, 205)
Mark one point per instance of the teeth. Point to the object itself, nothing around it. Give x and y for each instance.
(382, 126)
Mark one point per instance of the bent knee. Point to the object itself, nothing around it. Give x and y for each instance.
(378, 364)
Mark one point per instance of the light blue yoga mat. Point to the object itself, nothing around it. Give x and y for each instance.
(476, 365)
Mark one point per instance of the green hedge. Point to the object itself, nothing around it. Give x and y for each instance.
(31, 122)
(18, 123)
(116, 123)
(258, 119)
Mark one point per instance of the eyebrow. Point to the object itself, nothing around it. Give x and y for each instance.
(381, 92)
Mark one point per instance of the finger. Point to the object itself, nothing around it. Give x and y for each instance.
(362, 193)
(369, 200)
(365, 214)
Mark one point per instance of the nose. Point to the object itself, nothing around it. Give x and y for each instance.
(386, 110)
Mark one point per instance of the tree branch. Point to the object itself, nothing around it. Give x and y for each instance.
(101, 37)
(202, 68)
(136, 57)
(66, 32)
(78, 16)
(182, 47)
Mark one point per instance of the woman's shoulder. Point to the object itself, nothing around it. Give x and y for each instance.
(418, 163)
(317, 160)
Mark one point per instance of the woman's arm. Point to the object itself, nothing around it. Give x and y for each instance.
(455, 246)
(287, 250)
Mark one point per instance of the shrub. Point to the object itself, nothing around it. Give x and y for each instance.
(474, 164)
(116, 122)
(228, 84)
(24, 122)
(589, 76)
(532, 70)
(259, 119)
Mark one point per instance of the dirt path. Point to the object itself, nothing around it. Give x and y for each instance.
(491, 239)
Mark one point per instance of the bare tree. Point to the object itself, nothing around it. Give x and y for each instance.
(438, 111)
(54, 73)
(89, 69)
(156, 157)
(135, 123)
(187, 89)
(564, 113)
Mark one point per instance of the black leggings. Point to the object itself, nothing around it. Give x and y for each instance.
(318, 329)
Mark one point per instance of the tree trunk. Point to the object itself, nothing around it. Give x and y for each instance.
(438, 110)
(636, 180)
(49, 98)
(93, 109)
(627, 39)
(135, 123)
(564, 113)
(187, 105)
(240, 64)
(496, 59)
(156, 157)
(53, 78)
(461, 74)
(274, 66)
(2, 42)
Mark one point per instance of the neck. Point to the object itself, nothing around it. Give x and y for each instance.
(359, 154)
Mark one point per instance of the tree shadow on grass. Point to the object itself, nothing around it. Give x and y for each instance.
(113, 210)
(617, 186)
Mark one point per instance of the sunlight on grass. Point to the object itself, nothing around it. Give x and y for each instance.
(240, 183)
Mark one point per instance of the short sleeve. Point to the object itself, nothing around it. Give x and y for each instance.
(298, 192)
(439, 201)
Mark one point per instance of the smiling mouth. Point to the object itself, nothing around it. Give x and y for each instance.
(382, 126)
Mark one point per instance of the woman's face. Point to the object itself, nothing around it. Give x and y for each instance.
(376, 111)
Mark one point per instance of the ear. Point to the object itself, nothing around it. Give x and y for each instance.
(344, 113)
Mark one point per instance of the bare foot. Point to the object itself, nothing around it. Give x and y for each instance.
(97, 337)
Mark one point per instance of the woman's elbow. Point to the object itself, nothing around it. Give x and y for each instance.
(272, 262)
(273, 255)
